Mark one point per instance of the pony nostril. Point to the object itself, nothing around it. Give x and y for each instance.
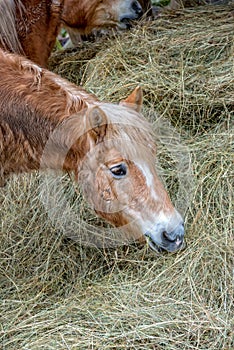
(173, 237)
(167, 237)
(137, 8)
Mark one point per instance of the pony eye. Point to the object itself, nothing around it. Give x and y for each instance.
(119, 171)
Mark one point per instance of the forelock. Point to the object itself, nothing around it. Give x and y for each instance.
(129, 131)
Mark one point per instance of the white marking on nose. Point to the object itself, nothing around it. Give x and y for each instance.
(149, 179)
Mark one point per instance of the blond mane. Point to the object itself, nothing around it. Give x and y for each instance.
(9, 37)
(127, 130)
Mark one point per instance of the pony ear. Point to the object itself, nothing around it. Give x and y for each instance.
(96, 123)
(134, 100)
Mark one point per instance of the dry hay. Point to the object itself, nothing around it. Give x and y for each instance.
(58, 294)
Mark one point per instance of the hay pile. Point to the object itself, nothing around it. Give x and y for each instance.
(58, 294)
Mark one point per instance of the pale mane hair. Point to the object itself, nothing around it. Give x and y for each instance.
(8, 34)
(127, 131)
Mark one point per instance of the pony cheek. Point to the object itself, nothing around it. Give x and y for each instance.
(101, 15)
(106, 195)
(105, 191)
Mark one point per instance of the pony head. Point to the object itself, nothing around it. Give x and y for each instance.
(118, 175)
(93, 14)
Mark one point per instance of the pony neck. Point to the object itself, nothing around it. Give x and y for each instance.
(34, 105)
(38, 16)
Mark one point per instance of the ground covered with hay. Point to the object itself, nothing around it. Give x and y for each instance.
(59, 294)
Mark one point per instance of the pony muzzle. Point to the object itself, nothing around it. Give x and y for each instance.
(166, 241)
(136, 6)
(135, 12)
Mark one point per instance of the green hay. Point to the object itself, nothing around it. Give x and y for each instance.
(58, 294)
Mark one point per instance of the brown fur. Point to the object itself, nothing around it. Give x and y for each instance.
(30, 27)
(34, 108)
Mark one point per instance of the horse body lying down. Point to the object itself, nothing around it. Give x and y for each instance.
(47, 122)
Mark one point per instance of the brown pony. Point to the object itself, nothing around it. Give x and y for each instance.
(77, 37)
(47, 122)
(30, 27)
